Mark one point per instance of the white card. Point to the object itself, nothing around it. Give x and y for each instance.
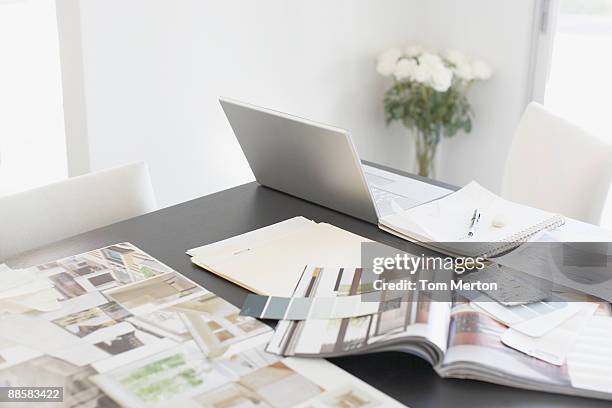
(554, 346)
(539, 326)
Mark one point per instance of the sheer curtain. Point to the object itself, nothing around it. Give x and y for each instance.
(580, 79)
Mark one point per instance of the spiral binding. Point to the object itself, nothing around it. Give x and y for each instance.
(517, 239)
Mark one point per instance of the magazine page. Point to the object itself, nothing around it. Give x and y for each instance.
(411, 321)
(124, 330)
(476, 349)
(184, 377)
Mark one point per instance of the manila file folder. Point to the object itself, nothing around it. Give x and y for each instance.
(270, 261)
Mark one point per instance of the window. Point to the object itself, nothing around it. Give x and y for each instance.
(580, 80)
(32, 139)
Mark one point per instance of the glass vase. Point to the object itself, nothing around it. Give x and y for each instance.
(425, 154)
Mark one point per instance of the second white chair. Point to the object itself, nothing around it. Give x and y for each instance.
(50, 213)
(557, 166)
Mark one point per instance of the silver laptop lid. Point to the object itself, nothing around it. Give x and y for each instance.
(308, 160)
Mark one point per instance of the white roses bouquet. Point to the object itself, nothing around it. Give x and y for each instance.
(429, 95)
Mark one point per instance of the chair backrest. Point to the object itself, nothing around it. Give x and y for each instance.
(557, 166)
(40, 216)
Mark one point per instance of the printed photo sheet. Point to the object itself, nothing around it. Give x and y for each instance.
(131, 332)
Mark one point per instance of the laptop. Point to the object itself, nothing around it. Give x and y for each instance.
(319, 163)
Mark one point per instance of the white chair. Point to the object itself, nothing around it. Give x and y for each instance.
(556, 166)
(60, 210)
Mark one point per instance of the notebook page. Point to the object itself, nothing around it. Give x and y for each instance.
(448, 219)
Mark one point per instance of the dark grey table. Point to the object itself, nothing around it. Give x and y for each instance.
(166, 234)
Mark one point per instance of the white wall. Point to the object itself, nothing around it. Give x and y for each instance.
(498, 32)
(154, 70)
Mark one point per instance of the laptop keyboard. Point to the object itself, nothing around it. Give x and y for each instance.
(389, 203)
(393, 194)
(382, 195)
(375, 180)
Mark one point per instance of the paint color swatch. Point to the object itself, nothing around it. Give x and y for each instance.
(304, 308)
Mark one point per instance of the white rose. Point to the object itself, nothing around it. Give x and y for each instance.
(455, 57)
(461, 64)
(441, 79)
(481, 70)
(405, 69)
(432, 60)
(387, 61)
(413, 51)
(429, 64)
(464, 70)
(423, 73)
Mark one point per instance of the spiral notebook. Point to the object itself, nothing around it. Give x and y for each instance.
(502, 226)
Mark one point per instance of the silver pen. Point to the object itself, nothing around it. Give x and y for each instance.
(474, 222)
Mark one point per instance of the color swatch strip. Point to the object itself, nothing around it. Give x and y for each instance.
(304, 308)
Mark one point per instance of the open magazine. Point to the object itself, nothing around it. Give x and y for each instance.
(460, 338)
(114, 327)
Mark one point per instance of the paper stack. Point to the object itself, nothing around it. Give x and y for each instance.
(22, 290)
